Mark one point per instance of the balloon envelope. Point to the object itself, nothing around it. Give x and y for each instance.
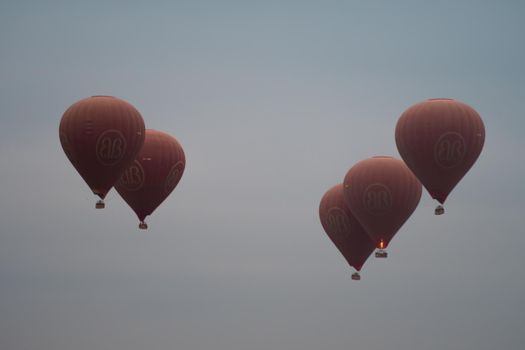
(382, 193)
(439, 140)
(343, 229)
(153, 175)
(101, 135)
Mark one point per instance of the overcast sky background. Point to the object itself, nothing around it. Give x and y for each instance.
(273, 101)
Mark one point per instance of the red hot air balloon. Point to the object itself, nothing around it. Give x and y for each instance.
(439, 140)
(344, 230)
(153, 175)
(382, 193)
(101, 135)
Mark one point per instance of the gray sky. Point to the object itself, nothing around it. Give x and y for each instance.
(273, 101)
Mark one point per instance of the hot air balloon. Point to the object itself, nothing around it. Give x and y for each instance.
(344, 230)
(101, 135)
(153, 175)
(439, 140)
(382, 193)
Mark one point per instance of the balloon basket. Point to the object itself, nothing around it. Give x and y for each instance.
(439, 210)
(381, 254)
(356, 276)
(100, 204)
(143, 226)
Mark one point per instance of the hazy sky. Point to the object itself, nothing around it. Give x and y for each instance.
(273, 101)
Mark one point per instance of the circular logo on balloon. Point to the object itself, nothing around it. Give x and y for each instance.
(338, 223)
(377, 198)
(449, 150)
(111, 147)
(68, 149)
(174, 176)
(133, 177)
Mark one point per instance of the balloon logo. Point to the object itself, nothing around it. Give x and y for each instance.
(111, 147)
(133, 177)
(449, 150)
(174, 177)
(338, 223)
(377, 198)
(66, 146)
